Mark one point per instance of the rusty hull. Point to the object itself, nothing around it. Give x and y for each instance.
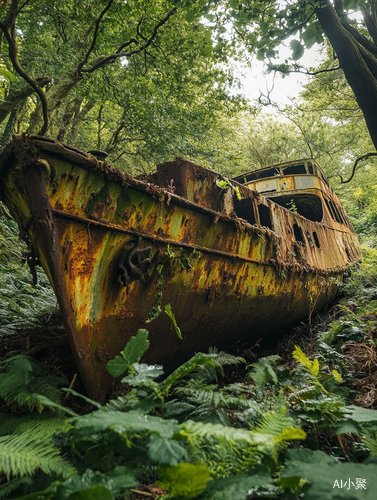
(225, 279)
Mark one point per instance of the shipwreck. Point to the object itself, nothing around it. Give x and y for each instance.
(235, 259)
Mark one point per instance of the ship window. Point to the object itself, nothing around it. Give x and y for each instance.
(316, 240)
(245, 209)
(240, 179)
(294, 169)
(329, 209)
(310, 168)
(337, 214)
(298, 233)
(251, 177)
(308, 205)
(271, 172)
(264, 216)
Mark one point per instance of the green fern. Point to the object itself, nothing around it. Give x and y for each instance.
(225, 459)
(11, 247)
(274, 423)
(264, 371)
(370, 441)
(23, 380)
(43, 425)
(29, 445)
(23, 454)
(310, 366)
(222, 359)
(224, 434)
(205, 403)
(22, 303)
(176, 408)
(13, 484)
(124, 403)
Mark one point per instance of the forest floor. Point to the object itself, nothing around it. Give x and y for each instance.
(308, 395)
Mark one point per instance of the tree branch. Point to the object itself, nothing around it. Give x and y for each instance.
(138, 29)
(369, 23)
(369, 60)
(90, 50)
(102, 61)
(363, 157)
(8, 28)
(281, 70)
(338, 5)
(293, 30)
(18, 95)
(361, 39)
(23, 5)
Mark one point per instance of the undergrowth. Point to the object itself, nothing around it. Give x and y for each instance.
(302, 425)
(21, 302)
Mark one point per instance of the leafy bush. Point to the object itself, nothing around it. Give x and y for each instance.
(110, 449)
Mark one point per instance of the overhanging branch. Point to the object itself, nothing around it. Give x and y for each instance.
(93, 44)
(18, 95)
(361, 158)
(104, 60)
(361, 39)
(273, 67)
(369, 23)
(8, 28)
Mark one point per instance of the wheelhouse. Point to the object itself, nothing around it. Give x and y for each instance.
(300, 186)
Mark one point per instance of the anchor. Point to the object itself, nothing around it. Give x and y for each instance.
(133, 264)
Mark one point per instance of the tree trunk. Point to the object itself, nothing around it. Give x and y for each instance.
(355, 69)
(73, 108)
(55, 98)
(77, 120)
(16, 96)
(9, 128)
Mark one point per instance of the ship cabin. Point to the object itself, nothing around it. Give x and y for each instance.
(300, 186)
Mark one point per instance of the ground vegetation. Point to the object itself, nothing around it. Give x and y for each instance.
(290, 420)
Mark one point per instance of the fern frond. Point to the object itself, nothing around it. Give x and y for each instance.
(43, 426)
(274, 423)
(124, 403)
(264, 371)
(175, 408)
(311, 366)
(225, 459)
(219, 416)
(13, 484)
(22, 380)
(23, 454)
(223, 433)
(370, 441)
(204, 397)
(21, 304)
(210, 373)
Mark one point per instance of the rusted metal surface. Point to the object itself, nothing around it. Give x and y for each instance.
(111, 244)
